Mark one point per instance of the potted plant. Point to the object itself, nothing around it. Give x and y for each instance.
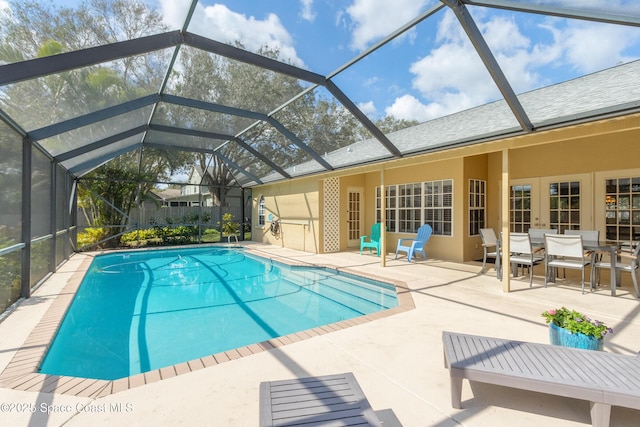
(571, 328)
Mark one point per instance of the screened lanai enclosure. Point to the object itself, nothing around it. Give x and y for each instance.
(137, 123)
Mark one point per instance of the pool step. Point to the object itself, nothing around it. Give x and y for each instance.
(364, 298)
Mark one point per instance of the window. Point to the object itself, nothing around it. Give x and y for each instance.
(261, 211)
(438, 203)
(477, 205)
(622, 209)
(391, 216)
(408, 206)
(520, 212)
(564, 206)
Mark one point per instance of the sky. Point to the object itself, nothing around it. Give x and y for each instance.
(431, 70)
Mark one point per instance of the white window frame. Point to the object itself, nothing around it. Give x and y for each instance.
(435, 209)
(622, 209)
(477, 205)
(261, 212)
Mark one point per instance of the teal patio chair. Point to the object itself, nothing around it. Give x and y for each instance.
(373, 239)
(413, 246)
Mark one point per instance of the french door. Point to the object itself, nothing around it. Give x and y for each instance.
(355, 219)
(559, 202)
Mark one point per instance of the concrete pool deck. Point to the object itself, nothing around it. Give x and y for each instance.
(397, 359)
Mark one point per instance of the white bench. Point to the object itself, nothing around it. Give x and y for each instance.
(331, 400)
(604, 379)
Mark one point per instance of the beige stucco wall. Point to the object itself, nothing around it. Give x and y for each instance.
(441, 247)
(588, 154)
(608, 145)
(296, 204)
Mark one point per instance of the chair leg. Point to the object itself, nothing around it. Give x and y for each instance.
(484, 260)
(546, 274)
(634, 274)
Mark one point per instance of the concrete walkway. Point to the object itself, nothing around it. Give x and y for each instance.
(397, 360)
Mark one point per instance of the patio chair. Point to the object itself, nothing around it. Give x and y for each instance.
(628, 261)
(537, 237)
(522, 254)
(413, 246)
(589, 236)
(489, 245)
(538, 233)
(372, 241)
(564, 251)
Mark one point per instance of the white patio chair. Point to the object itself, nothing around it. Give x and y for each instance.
(522, 254)
(587, 235)
(489, 245)
(537, 235)
(590, 235)
(628, 261)
(564, 251)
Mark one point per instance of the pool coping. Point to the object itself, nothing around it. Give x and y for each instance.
(21, 373)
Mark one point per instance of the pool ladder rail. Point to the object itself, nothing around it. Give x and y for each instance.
(230, 236)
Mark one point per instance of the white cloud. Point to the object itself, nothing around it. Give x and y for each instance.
(374, 19)
(371, 81)
(368, 108)
(589, 47)
(222, 24)
(409, 108)
(306, 11)
(452, 77)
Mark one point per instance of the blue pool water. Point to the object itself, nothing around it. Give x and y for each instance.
(139, 311)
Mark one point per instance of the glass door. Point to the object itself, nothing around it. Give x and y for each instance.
(567, 202)
(560, 202)
(524, 212)
(354, 216)
(617, 205)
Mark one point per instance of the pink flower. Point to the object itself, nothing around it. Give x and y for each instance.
(552, 312)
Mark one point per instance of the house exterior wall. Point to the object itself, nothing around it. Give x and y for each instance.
(442, 247)
(476, 168)
(296, 205)
(594, 150)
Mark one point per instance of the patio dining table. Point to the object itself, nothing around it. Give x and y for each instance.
(598, 246)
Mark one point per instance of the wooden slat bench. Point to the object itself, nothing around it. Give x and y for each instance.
(602, 378)
(332, 400)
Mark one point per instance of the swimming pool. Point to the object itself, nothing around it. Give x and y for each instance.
(139, 311)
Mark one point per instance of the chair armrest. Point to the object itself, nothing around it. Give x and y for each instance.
(406, 239)
(362, 238)
(626, 255)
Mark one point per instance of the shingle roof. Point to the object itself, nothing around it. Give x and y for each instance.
(615, 90)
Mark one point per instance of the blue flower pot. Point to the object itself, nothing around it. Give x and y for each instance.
(560, 336)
